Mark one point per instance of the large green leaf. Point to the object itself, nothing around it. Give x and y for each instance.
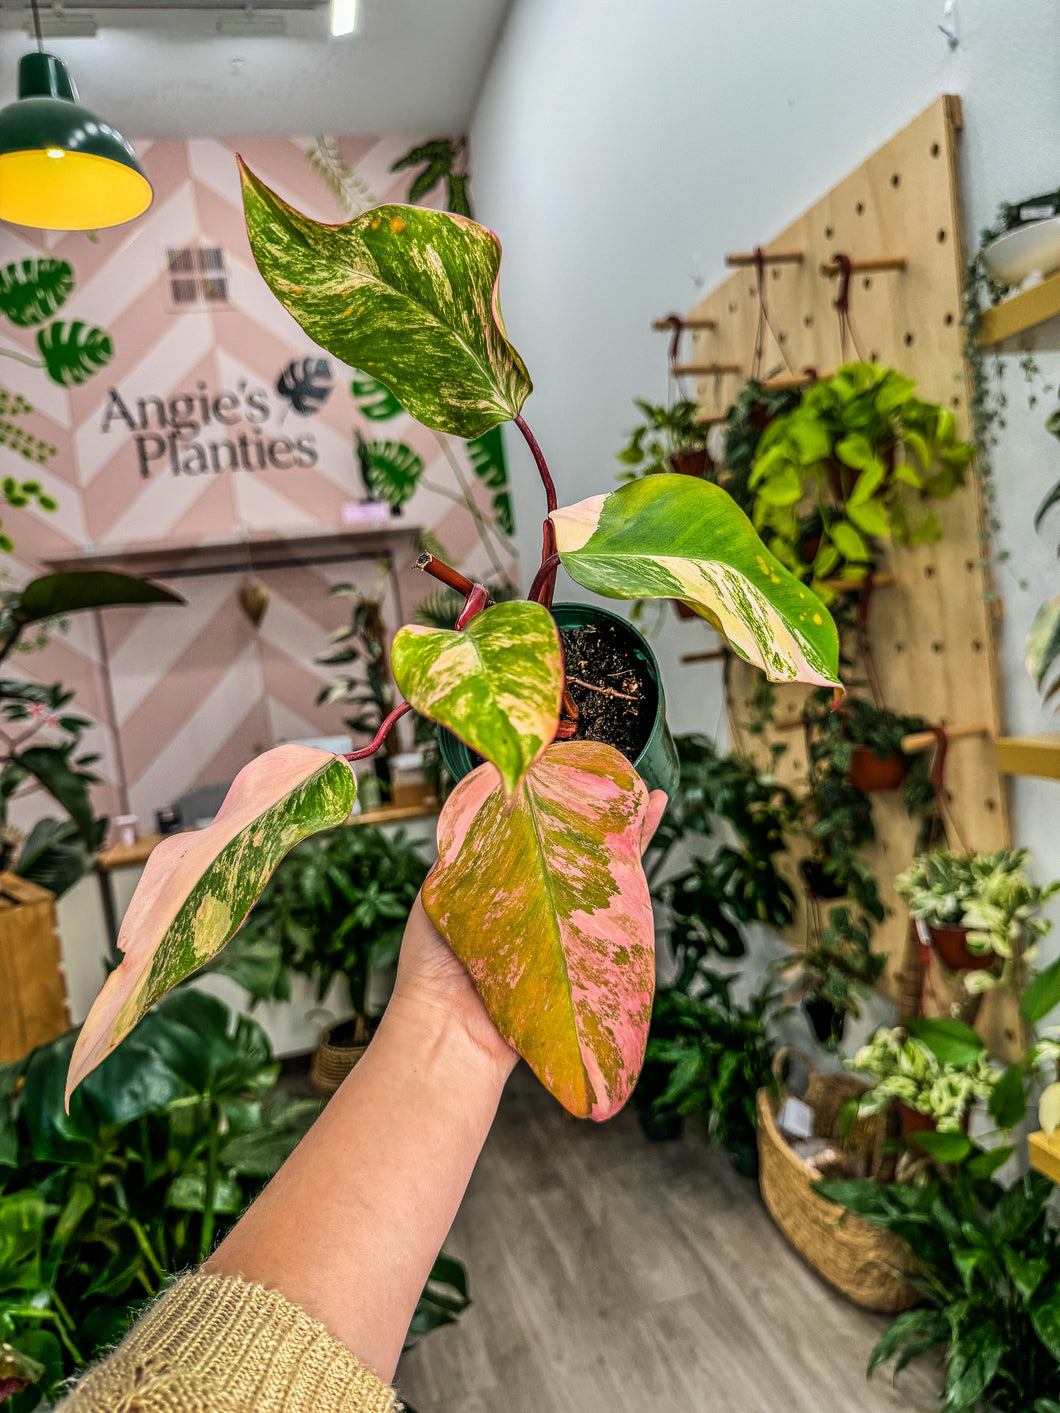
(64, 782)
(73, 352)
(197, 888)
(950, 1041)
(55, 595)
(407, 295)
(1008, 1098)
(546, 904)
(32, 290)
(677, 537)
(496, 684)
(1042, 994)
(1043, 645)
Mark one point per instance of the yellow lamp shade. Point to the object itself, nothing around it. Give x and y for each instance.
(61, 167)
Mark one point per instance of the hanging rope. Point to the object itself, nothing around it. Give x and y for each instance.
(841, 304)
(764, 325)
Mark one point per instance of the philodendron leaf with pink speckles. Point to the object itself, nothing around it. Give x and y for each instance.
(496, 683)
(198, 887)
(677, 537)
(406, 295)
(547, 906)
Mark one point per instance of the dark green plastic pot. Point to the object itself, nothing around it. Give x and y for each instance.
(657, 765)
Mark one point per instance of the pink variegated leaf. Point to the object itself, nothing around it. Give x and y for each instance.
(198, 887)
(546, 904)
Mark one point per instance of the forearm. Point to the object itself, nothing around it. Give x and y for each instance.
(350, 1226)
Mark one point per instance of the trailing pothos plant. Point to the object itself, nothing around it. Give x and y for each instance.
(850, 465)
(538, 887)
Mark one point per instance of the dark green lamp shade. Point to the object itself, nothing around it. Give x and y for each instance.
(61, 167)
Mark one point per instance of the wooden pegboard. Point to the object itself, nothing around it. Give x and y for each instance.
(932, 629)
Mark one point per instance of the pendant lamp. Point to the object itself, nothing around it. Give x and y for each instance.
(61, 167)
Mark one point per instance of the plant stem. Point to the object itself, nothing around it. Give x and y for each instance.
(22, 358)
(381, 735)
(476, 601)
(551, 502)
(443, 572)
(545, 576)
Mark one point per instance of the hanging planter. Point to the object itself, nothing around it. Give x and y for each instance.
(693, 463)
(614, 679)
(827, 1023)
(819, 883)
(873, 774)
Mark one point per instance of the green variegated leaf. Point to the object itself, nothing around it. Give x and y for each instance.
(198, 887)
(407, 295)
(1043, 644)
(547, 906)
(676, 537)
(496, 683)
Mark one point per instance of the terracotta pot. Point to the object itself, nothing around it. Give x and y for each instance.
(872, 774)
(808, 548)
(692, 463)
(913, 1121)
(683, 610)
(951, 945)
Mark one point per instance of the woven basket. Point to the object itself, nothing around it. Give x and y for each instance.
(856, 1257)
(332, 1063)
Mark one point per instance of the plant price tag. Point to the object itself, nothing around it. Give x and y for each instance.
(795, 1119)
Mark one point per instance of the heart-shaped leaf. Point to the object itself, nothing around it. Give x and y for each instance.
(676, 537)
(496, 683)
(407, 295)
(198, 887)
(547, 906)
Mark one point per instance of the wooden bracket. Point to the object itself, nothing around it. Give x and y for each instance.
(705, 370)
(676, 321)
(924, 740)
(769, 257)
(831, 268)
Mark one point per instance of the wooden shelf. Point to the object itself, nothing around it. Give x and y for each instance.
(136, 854)
(1021, 312)
(1044, 1151)
(1029, 755)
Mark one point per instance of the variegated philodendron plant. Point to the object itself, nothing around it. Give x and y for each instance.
(538, 887)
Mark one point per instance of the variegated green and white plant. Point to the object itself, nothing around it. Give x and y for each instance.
(538, 887)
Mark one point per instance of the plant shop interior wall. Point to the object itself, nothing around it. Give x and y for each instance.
(668, 156)
(165, 399)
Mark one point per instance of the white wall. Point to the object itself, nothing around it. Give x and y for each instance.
(621, 148)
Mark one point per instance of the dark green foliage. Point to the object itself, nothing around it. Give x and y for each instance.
(748, 418)
(840, 965)
(165, 1144)
(440, 159)
(370, 694)
(708, 1055)
(991, 1279)
(337, 904)
(839, 815)
(739, 883)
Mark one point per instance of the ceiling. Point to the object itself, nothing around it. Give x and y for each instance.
(414, 66)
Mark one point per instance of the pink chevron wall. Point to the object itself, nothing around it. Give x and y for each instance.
(148, 452)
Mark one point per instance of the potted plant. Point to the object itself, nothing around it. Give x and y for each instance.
(336, 906)
(750, 414)
(716, 1056)
(863, 450)
(370, 694)
(668, 439)
(936, 1070)
(990, 1277)
(980, 911)
(551, 826)
(831, 975)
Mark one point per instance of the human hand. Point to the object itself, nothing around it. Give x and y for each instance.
(430, 975)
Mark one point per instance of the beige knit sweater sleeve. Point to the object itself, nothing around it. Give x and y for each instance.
(217, 1344)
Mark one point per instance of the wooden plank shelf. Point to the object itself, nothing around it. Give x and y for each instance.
(1044, 1149)
(1020, 312)
(1029, 755)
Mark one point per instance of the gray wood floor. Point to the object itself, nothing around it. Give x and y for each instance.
(609, 1274)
